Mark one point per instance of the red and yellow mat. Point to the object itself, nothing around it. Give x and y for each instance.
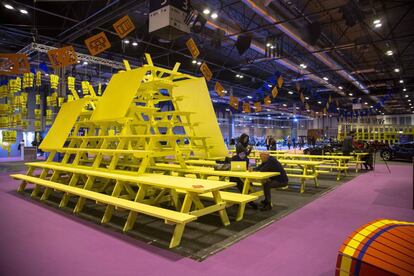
(381, 247)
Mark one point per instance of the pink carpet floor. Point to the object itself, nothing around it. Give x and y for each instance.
(36, 240)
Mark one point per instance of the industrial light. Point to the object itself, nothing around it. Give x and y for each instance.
(227, 109)
(285, 105)
(379, 25)
(319, 102)
(268, 44)
(307, 98)
(396, 70)
(126, 41)
(194, 61)
(389, 53)
(406, 96)
(401, 81)
(214, 15)
(269, 85)
(250, 97)
(225, 91)
(198, 62)
(206, 11)
(303, 65)
(376, 21)
(371, 106)
(340, 87)
(272, 47)
(297, 107)
(365, 103)
(46, 74)
(9, 7)
(85, 63)
(350, 94)
(24, 11)
(405, 89)
(409, 101)
(290, 92)
(325, 78)
(134, 43)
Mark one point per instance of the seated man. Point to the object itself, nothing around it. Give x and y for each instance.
(270, 164)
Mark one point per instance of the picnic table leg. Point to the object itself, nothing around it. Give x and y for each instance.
(316, 176)
(36, 189)
(46, 192)
(132, 216)
(109, 208)
(242, 206)
(22, 186)
(175, 200)
(222, 212)
(302, 181)
(81, 201)
(357, 163)
(339, 170)
(73, 180)
(178, 233)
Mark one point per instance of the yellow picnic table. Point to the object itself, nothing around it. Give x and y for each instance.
(192, 188)
(200, 162)
(357, 161)
(341, 161)
(204, 172)
(308, 170)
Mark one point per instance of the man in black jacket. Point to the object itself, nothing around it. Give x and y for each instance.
(270, 164)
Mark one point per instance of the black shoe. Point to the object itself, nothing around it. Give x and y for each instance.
(266, 207)
(253, 205)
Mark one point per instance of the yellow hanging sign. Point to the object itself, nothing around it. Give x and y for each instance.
(192, 47)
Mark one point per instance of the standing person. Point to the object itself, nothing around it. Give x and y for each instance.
(268, 141)
(20, 148)
(347, 145)
(243, 144)
(273, 145)
(301, 142)
(294, 142)
(369, 158)
(270, 164)
(289, 142)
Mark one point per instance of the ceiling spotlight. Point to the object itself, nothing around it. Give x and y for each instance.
(389, 53)
(9, 7)
(78, 61)
(85, 63)
(396, 70)
(365, 103)
(24, 11)
(206, 11)
(46, 74)
(319, 102)
(250, 97)
(134, 43)
(194, 61)
(405, 89)
(126, 41)
(241, 76)
(376, 21)
(325, 78)
(401, 81)
(198, 62)
(340, 87)
(284, 105)
(350, 94)
(290, 92)
(214, 15)
(269, 85)
(409, 101)
(379, 25)
(237, 76)
(268, 44)
(306, 98)
(371, 106)
(406, 96)
(302, 65)
(272, 47)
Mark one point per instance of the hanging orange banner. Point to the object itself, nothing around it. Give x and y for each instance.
(234, 102)
(258, 106)
(246, 107)
(280, 81)
(124, 26)
(192, 47)
(14, 64)
(267, 101)
(62, 57)
(206, 71)
(275, 92)
(97, 43)
(302, 97)
(219, 89)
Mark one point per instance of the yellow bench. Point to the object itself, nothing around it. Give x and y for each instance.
(170, 216)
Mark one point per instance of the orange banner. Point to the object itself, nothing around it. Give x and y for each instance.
(267, 101)
(219, 89)
(280, 81)
(258, 106)
(234, 102)
(246, 107)
(206, 71)
(302, 97)
(97, 43)
(124, 26)
(192, 47)
(62, 57)
(14, 64)
(275, 92)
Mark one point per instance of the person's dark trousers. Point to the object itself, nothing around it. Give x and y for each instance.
(271, 184)
(239, 183)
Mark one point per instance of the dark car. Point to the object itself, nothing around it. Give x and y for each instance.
(398, 151)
